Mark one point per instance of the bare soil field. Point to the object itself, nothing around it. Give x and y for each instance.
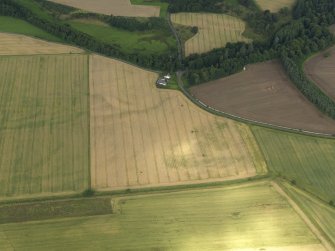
(275, 5)
(321, 70)
(215, 30)
(11, 44)
(264, 93)
(114, 7)
(142, 136)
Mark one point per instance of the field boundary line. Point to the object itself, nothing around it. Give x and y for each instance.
(217, 112)
(303, 216)
(135, 191)
(89, 120)
(192, 190)
(182, 185)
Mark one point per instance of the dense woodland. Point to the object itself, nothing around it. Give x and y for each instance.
(304, 34)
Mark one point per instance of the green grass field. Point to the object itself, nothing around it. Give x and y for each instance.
(321, 214)
(209, 219)
(309, 161)
(129, 42)
(44, 124)
(274, 6)
(14, 25)
(162, 5)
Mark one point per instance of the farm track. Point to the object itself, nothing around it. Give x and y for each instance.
(143, 137)
(215, 30)
(304, 217)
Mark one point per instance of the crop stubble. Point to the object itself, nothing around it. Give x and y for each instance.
(141, 136)
(43, 131)
(12, 44)
(114, 7)
(215, 30)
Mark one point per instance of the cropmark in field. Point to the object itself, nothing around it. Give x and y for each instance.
(113, 7)
(44, 122)
(252, 217)
(215, 30)
(142, 136)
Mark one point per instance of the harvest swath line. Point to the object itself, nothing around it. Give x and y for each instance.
(215, 30)
(142, 136)
(44, 125)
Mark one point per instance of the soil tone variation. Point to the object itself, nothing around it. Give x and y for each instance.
(264, 93)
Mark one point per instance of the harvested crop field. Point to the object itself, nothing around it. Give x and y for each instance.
(11, 44)
(275, 5)
(113, 7)
(142, 136)
(206, 219)
(321, 70)
(264, 93)
(215, 30)
(44, 124)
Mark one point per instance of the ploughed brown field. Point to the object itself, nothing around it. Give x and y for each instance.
(264, 93)
(321, 70)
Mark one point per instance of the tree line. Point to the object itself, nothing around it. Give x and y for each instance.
(306, 34)
(166, 61)
(127, 23)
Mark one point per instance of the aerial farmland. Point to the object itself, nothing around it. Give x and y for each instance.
(167, 125)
